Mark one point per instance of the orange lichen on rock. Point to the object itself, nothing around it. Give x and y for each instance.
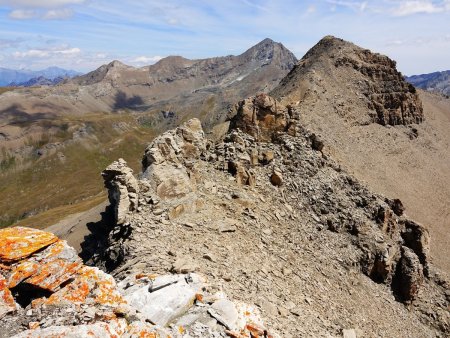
(143, 330)
(113, 329)
(46, 269)
(33, 325)
(18, 242)
(90, 286)
(22, 271)
(106, 292)
(7, 303)
(51, 275)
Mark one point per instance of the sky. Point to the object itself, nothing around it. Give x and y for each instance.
(84, 34)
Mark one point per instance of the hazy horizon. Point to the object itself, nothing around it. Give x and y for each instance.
(84, 34)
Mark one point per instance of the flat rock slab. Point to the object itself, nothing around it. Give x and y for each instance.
(46, 269)
(19, 242)
(225, 312)
(165, 298)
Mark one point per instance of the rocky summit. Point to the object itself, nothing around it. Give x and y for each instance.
(378, 127)
(372, 83)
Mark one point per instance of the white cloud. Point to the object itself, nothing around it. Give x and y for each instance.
(393, 7)
(40, 3)
(40, 9)
(415, 7)
(52, 14)
(311, 9)
(144, 60)
(173, 21)
(46, 53)
(23, 14)
(354, 5)
(32, 53)
(57, 14)
(70, 51)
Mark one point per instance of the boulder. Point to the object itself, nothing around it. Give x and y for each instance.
(276, 178)
(417, 238)
(18, 242)
(316, 142)
(168, 160)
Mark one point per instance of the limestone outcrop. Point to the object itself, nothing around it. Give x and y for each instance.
(395, 101)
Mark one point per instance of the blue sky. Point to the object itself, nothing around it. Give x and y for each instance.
(84, 34)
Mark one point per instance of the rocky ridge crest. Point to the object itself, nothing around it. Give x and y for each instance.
(372, 81)
(200, 196)
(265, 217)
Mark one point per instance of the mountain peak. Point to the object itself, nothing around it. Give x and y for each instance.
(264, 44)
(118, 64)
(270, 51)
(384, 94)
(267, 41)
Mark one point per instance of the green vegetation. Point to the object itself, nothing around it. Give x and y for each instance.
(52, 186)
(7, 163)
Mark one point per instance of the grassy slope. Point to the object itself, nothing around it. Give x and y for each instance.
(42, 191)
(53, 188)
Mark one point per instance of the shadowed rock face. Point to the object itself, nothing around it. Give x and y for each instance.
(340, 73)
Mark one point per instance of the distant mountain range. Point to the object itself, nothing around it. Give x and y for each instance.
(433, 82)
(22, 76)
